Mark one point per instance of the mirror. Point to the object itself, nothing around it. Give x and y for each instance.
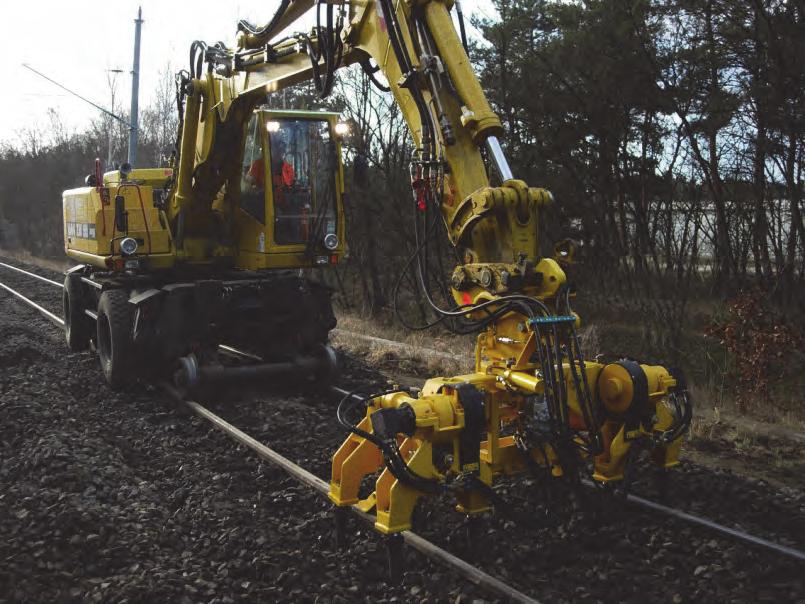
(121, 222)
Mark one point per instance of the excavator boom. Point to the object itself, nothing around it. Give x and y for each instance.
(257, 189)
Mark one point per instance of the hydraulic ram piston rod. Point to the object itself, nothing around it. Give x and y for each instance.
(499, 159)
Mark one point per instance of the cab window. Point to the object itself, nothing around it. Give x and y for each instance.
(253, 173)
(303, 170)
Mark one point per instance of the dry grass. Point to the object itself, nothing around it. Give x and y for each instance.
(590, 339)
(422, 354)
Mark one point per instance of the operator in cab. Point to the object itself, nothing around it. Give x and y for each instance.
(282, 173)
(282, 180)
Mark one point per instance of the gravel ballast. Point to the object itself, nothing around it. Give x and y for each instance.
(122, 497)
(108, 496)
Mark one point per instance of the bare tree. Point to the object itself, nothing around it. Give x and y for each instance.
(160, 119)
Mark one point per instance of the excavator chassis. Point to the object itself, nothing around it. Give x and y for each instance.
(146, 326)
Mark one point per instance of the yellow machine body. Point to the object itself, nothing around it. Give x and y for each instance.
(458, 433)
(236, 234)
(90, 233)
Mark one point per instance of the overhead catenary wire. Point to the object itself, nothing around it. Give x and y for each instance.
(75, 94)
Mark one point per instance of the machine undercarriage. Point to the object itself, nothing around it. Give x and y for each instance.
(175, 328)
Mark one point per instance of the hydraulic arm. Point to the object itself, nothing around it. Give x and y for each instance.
(533, 401)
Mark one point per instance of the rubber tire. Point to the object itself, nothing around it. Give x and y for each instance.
(77, 325)
(113, 339)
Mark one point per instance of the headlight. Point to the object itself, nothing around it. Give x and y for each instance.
(128, 246)
(331, 241)
(342, 128)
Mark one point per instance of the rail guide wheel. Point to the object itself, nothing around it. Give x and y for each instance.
(113, 338)
(77, 325)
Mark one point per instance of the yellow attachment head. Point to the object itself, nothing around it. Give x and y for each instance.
(616, 388)
(626, 383)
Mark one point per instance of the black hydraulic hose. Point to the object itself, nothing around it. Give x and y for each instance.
(583, 395)
(181, 82)
(328, 47)
(428, 133)
(461, 27)
(340, 414)
(197, 50)
(548, 369)
(525, 300)
(325, 48)
(370, 73)
(590, 419)
(315, 56)
(395, 36)
(248, 28)
(391, 452)
(406, 66)
(560, 375)
(461, 311)
(338, 43)
(428, 145)
(685, 416)
(547, 376)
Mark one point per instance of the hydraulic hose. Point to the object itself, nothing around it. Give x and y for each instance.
(263, 34)
(461, 27)
(391, 453)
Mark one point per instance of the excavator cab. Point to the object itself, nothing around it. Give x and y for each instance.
(290, 213)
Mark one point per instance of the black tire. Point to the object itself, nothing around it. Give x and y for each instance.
(113, 339)
(77, 325)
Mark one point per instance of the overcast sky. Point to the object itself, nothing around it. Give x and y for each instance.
(75, 42)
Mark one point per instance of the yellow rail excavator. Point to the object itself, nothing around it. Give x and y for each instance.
(176, 262)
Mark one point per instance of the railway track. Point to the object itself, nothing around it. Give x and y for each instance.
(469, 572)
(434, 552)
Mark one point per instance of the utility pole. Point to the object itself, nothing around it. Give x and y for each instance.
(135, 90)
(112, 79)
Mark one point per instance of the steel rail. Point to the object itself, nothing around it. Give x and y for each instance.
(719, 528)
(469, 572)
(48, 315)
(34, 275)
(431, 550)
(635, 499)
